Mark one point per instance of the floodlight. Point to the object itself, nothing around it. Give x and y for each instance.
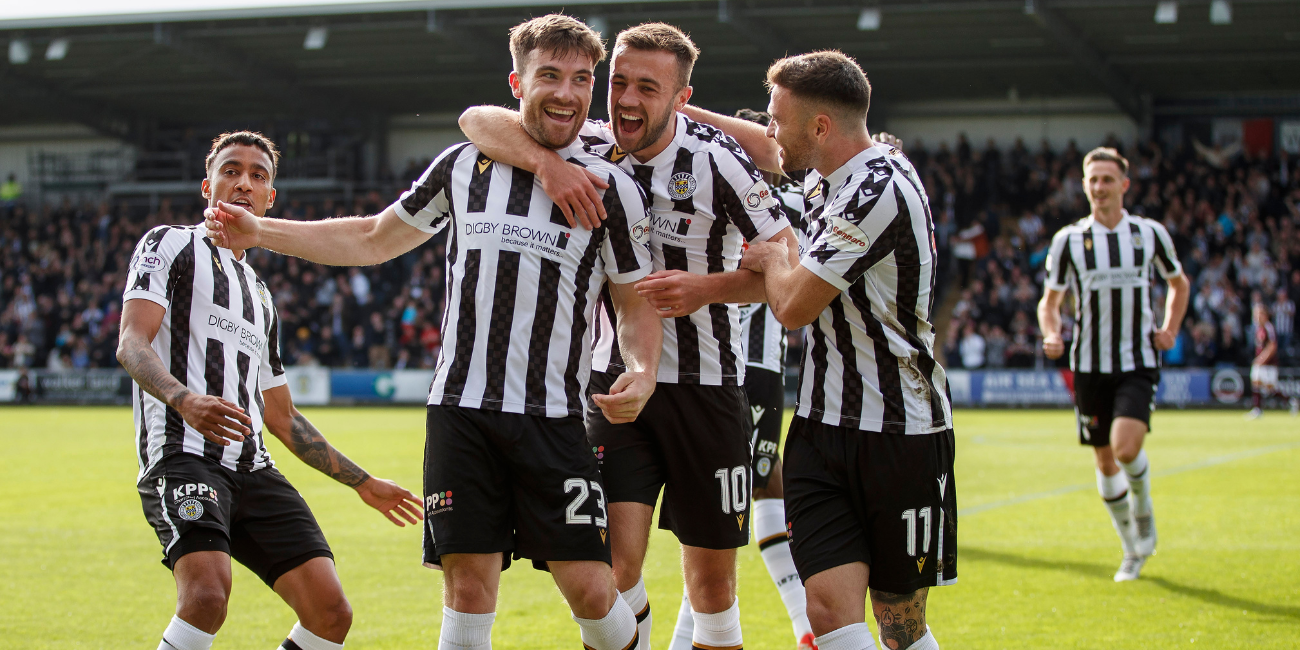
(19, 51)
(316, 37)
(58, 50)
(1166, 12)
(869, 19)
(1220, 12)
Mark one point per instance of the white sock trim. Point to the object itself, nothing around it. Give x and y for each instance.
(183, 636)
(719, 630)
(1136, 470)
(613, 632)
(850, 637)
(309, 641)
(460, 630)
(769, 519)
(636, 597)
(1111, 487)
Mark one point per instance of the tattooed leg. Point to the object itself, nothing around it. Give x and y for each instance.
(901, 617)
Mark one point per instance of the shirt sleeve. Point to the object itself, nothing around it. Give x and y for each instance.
(271, 373)
(1059, 262)
(857, 234)
(748, 202)
(1166, 258)
(151, 264)
(626, 249)
(427, 205)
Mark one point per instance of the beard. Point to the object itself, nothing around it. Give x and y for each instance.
(795, 155)
(650, 133)
(548, 132)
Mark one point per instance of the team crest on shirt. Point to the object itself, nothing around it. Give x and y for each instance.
(682, 186)
(263, 296)
(846, 236)
(764, 466)
(1138, 242)
(190, 509)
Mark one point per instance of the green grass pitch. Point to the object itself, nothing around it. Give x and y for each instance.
(79, 566)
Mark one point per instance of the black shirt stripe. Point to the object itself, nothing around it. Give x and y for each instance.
(539, 344)
(466, 331)
(503, 316)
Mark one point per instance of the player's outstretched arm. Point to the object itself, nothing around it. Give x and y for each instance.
(1049, 323)
(498, 133)
(349, 241)
(680, 293)
(751, 136)
(640, 339)
(1175, 309)
(217, 419)
(795, 294)
(308, 444)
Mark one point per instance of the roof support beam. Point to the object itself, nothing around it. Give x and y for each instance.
(1127, 96)
(104, 119)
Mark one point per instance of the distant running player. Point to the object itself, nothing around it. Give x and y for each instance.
(1263, 367)
(1109, 259)
(208, 485)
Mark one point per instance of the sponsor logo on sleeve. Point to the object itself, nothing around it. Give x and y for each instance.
(844, 235)
(759, 197)
(641, 231)
(149, 263)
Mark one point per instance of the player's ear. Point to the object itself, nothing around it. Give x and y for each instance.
(270, 201)
(206, 189)
(515, 87)
(683, 96)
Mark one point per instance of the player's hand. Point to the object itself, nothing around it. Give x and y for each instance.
(573, 190)
(218, 420)
(759, 252)
(672, 293)
(1164, 339)
(626, 397)
(231, 226)
(889, 139)
(1053, 346)
(391, 499)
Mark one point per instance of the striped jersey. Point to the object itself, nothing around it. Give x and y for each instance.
(1110, 272)
(1265, 334)
(761, 335)
(521, 285)
(868, 360)
(707, 200)
(219, 336)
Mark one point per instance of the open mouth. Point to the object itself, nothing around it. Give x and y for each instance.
(629, 124)
(564, 115)
(242, 202)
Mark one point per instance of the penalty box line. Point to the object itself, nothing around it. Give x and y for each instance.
(1200, 464)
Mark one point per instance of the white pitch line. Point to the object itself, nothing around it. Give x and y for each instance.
(1201, 464)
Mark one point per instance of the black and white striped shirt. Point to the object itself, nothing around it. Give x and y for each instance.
(219, 336)
(708, 199)
(868, 359)
(761, 334)
(1110, 272)
(521, 285)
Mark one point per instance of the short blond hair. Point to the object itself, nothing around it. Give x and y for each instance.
(556, 33)
(1106, 154)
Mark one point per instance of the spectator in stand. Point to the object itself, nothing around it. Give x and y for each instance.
(1284, 322)
(971, 348)
(995, 347)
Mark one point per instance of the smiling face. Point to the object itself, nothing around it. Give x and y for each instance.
(1104, 184)
(241, 175)
(555, 93)
(644, 99)
(790, 128)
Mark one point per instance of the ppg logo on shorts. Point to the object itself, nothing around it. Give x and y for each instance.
(190, 509)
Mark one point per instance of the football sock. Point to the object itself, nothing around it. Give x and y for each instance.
(685, 628)
(617, 631)
(774, 546)
(300, 638)
(849, 637)
(1139, 482)
(721, 630)
(926, 642)
(1114, 492)
(639, 601)
(1256, 398)
(180, 635)
(465, 631)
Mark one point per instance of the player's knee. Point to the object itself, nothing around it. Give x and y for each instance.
(333, 618)
(713, 596)
(203, 606)
(822, 613)
(470, 597)
(592, 601)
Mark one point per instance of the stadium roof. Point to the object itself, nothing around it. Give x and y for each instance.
(200, 60)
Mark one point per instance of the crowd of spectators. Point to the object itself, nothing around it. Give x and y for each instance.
(1233, 219)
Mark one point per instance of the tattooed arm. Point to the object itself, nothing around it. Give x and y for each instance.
(308, 444)
(900, 617)
(217, 419)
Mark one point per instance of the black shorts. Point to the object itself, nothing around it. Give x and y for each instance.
(258, 518)
(1099, 398)
(885, 499)
(766, 392)
(693, 442)
(510, 483)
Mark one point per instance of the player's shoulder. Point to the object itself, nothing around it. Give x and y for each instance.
(168, 238)
(699, 137)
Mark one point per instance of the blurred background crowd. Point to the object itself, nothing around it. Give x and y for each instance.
(1233, 218)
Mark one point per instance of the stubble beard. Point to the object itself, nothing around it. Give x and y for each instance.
(652, 132)
(534, 121)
